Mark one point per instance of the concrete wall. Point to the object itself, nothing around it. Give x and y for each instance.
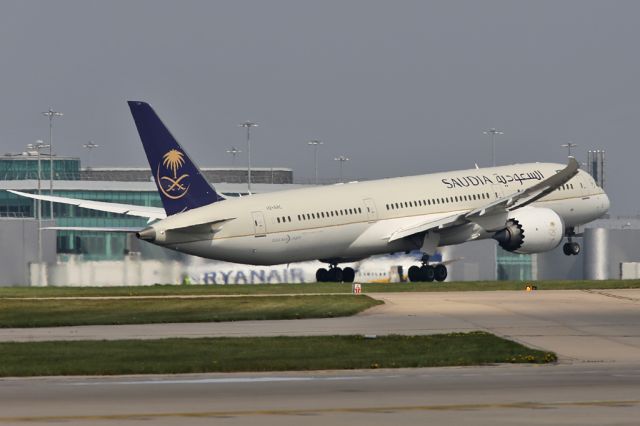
(475, 260)
(19, 248)
(555, 265)
(605, 249)
(132, 271)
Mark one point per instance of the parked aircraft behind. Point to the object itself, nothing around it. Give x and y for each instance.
(527, 208)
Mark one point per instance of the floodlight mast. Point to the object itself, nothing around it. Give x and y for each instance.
(90, 146)
(234, 152)
(248, 125)
(51, 114)
(315, 143)
(569, 145)
(493, 132)
(38, 146)
(342, 159)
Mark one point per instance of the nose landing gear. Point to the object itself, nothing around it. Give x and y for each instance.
(571, 248)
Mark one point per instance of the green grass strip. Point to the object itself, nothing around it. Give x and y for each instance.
(164, 290)
(170, 356)
(61, 312)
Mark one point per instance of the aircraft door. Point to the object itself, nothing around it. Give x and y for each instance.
(370, 207)
(259, 225)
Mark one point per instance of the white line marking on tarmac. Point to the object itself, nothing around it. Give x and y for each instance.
(224, 380)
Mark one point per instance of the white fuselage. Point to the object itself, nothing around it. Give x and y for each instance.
(353, 221)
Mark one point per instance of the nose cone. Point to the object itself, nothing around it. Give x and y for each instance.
(147, 234)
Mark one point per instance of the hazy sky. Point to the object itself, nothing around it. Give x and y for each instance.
(400, 87)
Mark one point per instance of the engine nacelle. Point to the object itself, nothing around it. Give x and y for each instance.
(531, 230)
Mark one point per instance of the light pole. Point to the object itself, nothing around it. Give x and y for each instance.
(233, 151)
(38, 146)
(248, 125)
(342, 160)
(569, 145)
(51, 114)
(90, 146)
(315, 143)
(493, 132)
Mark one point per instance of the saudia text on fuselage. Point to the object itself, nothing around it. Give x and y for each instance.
(482, 180)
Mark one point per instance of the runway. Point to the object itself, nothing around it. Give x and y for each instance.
(597, 381)
(503, 395)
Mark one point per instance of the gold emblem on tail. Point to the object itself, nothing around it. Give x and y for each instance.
(172, 186)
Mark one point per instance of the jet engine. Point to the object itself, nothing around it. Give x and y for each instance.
(531, 230)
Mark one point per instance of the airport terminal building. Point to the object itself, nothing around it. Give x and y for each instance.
(115, 185)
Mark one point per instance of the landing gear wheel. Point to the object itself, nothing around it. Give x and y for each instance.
(427, 273)
(440, 272)
(414, 274)
(348, 275)
(335, 275)
(575, 248)
(322, 275)
(571, 249)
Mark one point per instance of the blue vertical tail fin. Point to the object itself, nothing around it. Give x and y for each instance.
(180, 184)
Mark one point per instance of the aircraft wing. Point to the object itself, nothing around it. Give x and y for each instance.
(494, 215)
(522, 198)
(430, 225)
(151, 213)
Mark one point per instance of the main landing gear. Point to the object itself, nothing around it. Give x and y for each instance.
(571, 248)
(335, 275)
(427, 272)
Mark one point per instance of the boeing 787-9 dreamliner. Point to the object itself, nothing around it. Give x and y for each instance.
(527, 208)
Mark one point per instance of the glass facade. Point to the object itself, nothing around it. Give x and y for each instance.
(21, 167)
(99, 245)
(92, 245)
(513, 266)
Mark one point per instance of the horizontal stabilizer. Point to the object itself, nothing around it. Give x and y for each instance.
(91, 229)
(150, 213)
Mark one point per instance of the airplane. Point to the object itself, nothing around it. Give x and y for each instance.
(527, 208)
